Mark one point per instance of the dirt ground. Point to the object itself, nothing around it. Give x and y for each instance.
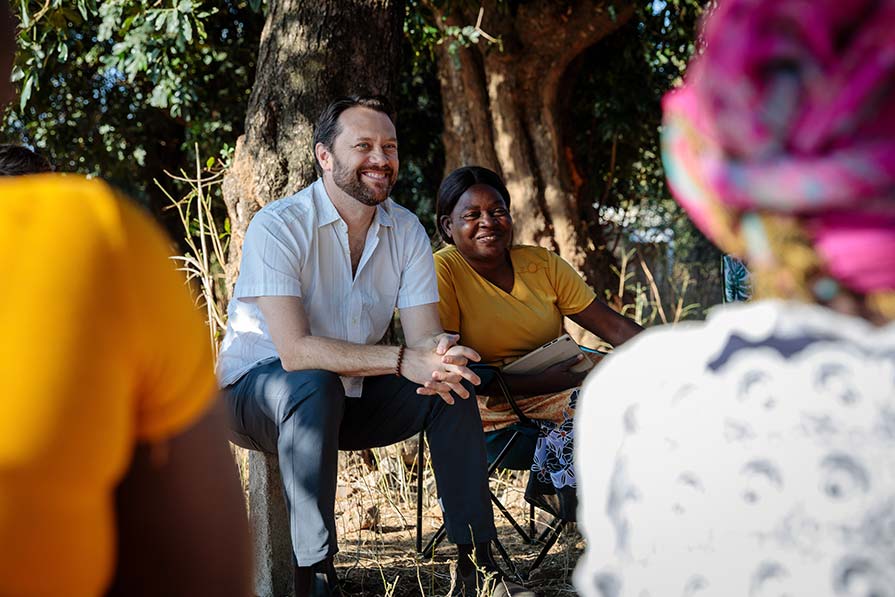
(376, 521)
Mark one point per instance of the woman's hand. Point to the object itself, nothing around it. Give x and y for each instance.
(555, 378)
(560, 376)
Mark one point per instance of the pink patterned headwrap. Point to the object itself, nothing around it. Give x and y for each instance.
(790, 110)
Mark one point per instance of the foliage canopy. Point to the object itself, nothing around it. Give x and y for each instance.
(125, 89)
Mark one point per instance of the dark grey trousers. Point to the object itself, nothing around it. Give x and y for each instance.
(305, 419)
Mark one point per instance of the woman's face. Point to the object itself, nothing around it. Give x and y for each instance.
(480, 224)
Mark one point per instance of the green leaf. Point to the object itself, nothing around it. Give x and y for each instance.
(160, 96)
(187, 30)
(26, 18)
(209, 163)
(26, 92)
(173, 23)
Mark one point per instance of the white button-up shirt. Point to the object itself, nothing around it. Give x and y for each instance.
(298, 246)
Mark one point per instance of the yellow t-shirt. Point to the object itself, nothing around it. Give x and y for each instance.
(502, 327)
(100, 347)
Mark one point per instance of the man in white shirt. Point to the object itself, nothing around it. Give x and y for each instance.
(321, 275)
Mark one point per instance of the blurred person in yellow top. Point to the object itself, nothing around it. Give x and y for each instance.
(115, 474)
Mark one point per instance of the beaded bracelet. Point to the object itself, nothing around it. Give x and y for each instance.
(400, 360)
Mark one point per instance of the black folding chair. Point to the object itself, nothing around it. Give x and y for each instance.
(521, 434)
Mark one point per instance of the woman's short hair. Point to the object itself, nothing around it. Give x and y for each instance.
(458, 182)
(16, 160)
(327, 128)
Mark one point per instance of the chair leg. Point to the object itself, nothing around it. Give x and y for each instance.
(419, 496)
(441, 532)
(439, 536)
(514, 571)
(554, 535)
(509, 517)
(543, 537)
(503, 452)
(531, 520)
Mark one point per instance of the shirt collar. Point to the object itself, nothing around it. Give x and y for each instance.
(327, 213)
(384, 213)
(323, 206)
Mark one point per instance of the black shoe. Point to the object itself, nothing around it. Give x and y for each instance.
(568, 504)
(560, 502)
(319, 580)
(542, 495)
(491, 583)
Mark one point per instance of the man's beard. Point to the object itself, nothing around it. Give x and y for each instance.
(350, 182)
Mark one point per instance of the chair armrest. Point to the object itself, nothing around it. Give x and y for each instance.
(505, 391)
(587, 350)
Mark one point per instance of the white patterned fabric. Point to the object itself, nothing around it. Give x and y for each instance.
(750, 455)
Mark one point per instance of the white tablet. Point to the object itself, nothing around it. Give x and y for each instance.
(553, 352)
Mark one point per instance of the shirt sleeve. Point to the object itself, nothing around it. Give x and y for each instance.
(418, 283)
(271, 259)
(448, 304)
(573, 295)
(175, 369)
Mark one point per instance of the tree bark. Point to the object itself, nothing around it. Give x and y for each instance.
(504, 110)
(310, 53)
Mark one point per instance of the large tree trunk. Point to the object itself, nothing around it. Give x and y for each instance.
(310, 53)
(505, 110)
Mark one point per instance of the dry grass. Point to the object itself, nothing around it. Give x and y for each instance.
(376, 526)
(376, 523)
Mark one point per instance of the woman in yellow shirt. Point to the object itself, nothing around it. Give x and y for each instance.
(113, 463)
(506, 300)
(115, 474)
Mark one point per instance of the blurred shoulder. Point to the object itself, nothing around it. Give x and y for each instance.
(689, 351)
(48, 182)
(71, 205)
(667, 353)
(63, 191)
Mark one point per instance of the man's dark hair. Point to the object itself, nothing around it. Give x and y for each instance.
(16, 160)
(458, 182)
(327, 128)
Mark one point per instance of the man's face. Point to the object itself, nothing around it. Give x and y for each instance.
(7, 53)
(363, 161)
